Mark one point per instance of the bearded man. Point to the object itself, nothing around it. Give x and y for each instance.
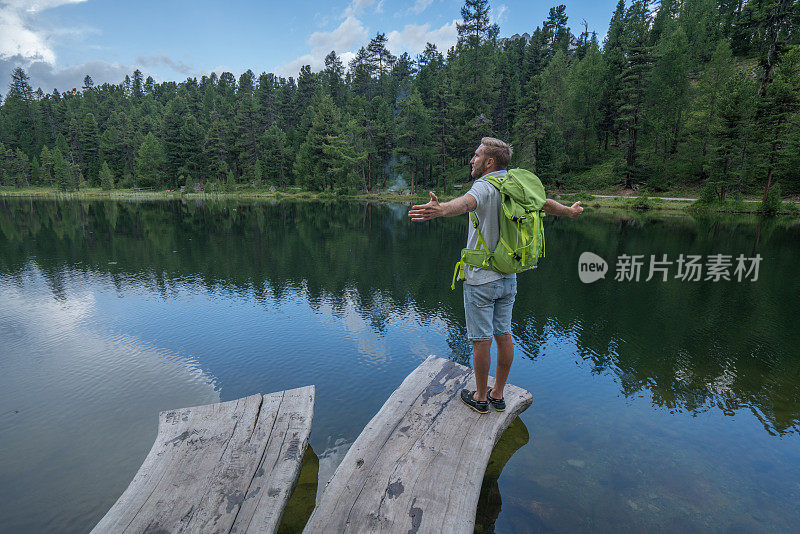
(488, 295)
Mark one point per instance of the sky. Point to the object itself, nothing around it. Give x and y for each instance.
(58, 42)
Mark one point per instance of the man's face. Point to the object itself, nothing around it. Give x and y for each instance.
(480, 164)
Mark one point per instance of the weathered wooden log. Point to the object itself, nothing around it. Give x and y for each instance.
(227, 467)
(419, 463)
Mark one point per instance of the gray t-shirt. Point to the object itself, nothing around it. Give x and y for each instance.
(488, 211)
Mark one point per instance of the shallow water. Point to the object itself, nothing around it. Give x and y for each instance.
(657, 405)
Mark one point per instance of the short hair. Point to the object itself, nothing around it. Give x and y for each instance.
(498, 150)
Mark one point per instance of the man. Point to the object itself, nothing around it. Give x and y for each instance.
(488, 295)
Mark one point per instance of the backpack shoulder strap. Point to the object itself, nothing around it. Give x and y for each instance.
(495, 181)
(481, 242)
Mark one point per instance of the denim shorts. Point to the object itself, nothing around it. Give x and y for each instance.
(488, 308)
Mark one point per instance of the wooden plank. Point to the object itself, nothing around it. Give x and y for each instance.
(419, 463)
(277, 473)
(210, 465)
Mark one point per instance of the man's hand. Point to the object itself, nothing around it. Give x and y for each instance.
(551, 207)
(426, 212)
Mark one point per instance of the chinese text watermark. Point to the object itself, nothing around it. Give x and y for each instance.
(686, 268)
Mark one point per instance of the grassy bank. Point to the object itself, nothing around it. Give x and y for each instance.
(590, 202)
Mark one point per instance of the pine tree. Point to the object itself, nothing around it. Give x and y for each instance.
(414, 137)
(323, 157)
(614, 56)
(36, 171)
(90, 145)
(149, 164)
(136, 90)
(62, 171)
(258, 174)
(106, 177)
(554, 135)
(215, 149)
(381, 117)
(46, 167)
(21, 168)
(709, 92)
(474, 30)
(334, 72)
(378, 54)
(730, 139)
(361, 69)
(191, 143)
(633, 84)
(555, 29)
(587, 89)
(275, 157)
(21, 113)
(779, 104)
(247, 132)
(667, 98)
(174, 148)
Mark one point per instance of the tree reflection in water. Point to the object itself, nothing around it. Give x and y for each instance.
(695, 346)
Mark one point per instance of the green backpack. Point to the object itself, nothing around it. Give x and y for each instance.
(521, 242)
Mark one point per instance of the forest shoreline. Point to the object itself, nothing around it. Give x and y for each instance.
(639, 203)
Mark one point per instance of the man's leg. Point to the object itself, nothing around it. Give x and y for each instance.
(481, 360)
(505, 355)
(503, 308)
(479, 307)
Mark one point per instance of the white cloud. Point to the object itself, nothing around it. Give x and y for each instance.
(357, 7)
(46, 76)
(352, 33)
(176, 65)
(18, 35)
(413, 37)
(38, 5)
(421, 5)
(497, 15)
(347, 35)
(16, 39)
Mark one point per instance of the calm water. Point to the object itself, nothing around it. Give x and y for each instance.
(658, 406)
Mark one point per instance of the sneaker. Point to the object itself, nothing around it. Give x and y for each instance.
(498, 404)
(478, 406)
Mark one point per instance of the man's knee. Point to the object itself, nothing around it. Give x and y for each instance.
(480, 344)
(504, 339)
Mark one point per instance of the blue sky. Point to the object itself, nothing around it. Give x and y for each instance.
(60, 41)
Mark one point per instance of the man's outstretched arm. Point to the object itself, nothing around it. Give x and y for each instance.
(433, 209)
(551, 207)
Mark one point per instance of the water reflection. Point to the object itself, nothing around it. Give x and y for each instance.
(233, 298)
(77, 399)
(304, 497)
(695, 346)
(490, 502)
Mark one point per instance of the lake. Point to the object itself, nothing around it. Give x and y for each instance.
(658, 405)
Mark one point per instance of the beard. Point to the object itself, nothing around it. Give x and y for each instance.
(477, 172)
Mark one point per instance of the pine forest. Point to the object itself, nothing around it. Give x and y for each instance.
(679, 95)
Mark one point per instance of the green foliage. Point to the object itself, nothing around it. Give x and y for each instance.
(274, 155)
(680, 94)
(642, 203)
(772, 205)
(106, 177)
(325, 157)
(413, 149)
(149, 162)
(708, 195)
(63, 172)
(257, 174)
